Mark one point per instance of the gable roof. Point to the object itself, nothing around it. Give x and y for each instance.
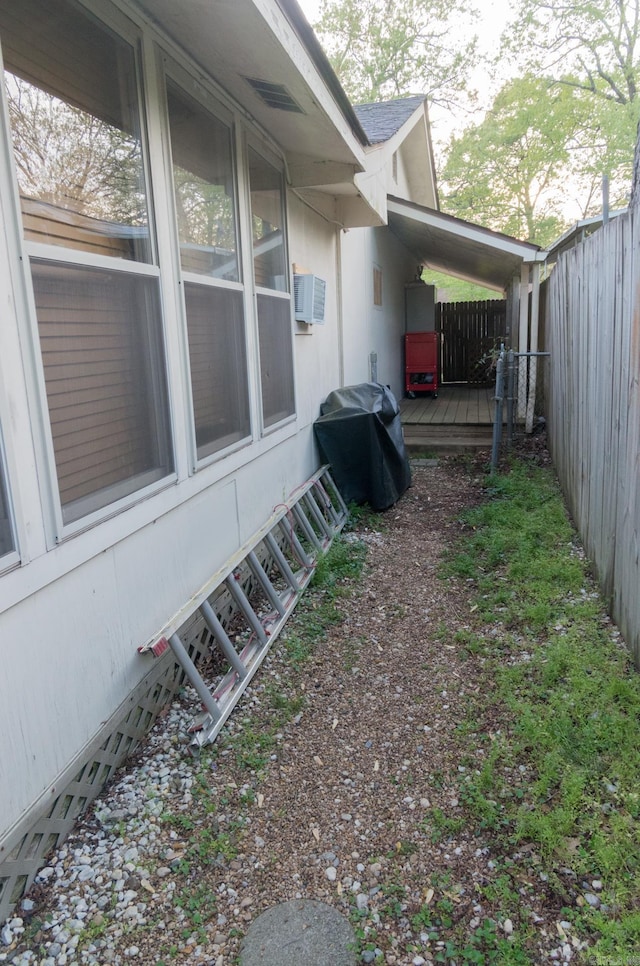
(459, 247)
(381, 121)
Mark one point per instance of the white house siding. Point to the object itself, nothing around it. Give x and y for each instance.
(313, 249)
(73, 614)
(401, 188)
(69, 649)
(74, 610)
(369, 328)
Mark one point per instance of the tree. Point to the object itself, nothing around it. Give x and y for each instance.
(71, 159)
(381, 49)
(591, 45)
(539, 153)
(499, 173)
(634, 201)
(451, 289)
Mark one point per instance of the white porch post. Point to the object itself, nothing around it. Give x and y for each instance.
(523, 334)
(533, 361)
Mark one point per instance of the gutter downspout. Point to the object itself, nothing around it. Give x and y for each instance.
(339, 305)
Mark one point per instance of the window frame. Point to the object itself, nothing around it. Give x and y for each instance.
(12, 557)
(195, 88)
(252, 142)
(377, 295)
(56, 528)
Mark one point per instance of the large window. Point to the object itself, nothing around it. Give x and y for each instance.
(204, 187)
(270, 273)
(72, 92)
(78, 130)
(101, 341)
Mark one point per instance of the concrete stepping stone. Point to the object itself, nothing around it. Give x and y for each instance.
(299, 932)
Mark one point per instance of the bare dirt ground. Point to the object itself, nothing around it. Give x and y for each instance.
(355, 801)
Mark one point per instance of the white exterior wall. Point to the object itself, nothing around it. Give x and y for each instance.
(81, 609)
(313, 247)
(73, 614)
(401, 189)
(368, 327)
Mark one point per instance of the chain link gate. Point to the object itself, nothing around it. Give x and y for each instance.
(518, 397)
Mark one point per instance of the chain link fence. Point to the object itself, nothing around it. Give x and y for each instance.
(520, 391)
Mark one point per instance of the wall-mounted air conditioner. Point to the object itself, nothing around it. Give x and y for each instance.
(309, 297)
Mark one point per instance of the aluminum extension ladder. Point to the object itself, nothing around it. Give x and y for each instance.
(264, 581)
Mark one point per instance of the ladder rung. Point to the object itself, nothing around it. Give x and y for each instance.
(282, 562)
(212, 621)
(241, 599)
(310, 533)
(325, 481)
(323, 498)
(315, 518)
(263, 579)
(316, 513)
(190, 670)
(297, 549)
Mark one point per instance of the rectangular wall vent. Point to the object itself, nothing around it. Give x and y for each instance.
(309, 296)
(274, 95)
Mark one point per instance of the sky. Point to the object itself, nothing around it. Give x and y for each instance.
(493, 17)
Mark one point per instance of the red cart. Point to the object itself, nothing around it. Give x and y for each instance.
(421, 362)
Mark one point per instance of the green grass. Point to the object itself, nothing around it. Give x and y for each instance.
(320, 609)
(570, 710)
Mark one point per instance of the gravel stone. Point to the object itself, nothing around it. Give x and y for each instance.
(357, 775)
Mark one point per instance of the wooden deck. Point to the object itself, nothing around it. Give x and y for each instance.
(459, 420)
(463, 405)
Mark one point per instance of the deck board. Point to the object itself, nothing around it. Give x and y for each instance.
(455, 406)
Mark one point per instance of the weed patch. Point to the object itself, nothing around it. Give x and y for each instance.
(561, 783)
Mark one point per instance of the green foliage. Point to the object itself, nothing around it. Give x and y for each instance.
(452, 289)
(594, 46)
(252, 748)
(319, 609)
(199, 906)
(343, 562)
(510, 171)
(381, 51)
(570, 703)
(361, 516)
(440, 826)
(567, 117)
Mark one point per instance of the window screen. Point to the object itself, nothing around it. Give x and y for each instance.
(377, 285)
(276, 358)
(101, 344)
(73, 109)
(267, 215)
(218, 359)
(204, 188)
(72, 92)
(274, 311)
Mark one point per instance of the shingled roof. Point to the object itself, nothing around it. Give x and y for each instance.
(381, 121)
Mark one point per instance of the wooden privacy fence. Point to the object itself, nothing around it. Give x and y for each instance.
(470, 333)
(593, 332)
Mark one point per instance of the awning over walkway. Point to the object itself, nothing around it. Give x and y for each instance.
(459, 248)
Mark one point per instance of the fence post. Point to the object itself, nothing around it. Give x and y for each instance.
(511, 378)
(497, 423)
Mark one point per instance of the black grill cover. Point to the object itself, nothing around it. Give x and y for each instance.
(360, 434)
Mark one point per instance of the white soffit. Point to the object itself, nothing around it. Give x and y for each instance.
(238, 42)
(457, 247)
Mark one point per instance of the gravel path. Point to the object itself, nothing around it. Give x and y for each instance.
(345, 803)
